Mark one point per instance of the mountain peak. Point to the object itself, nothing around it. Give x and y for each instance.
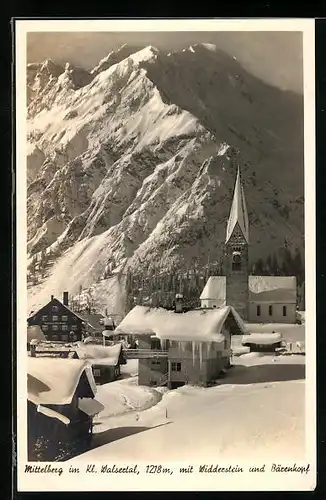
(145, 54)
(115, 56)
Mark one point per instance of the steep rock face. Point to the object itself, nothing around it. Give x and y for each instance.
(129, 164)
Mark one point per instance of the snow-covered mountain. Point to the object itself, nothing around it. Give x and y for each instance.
(129, 164)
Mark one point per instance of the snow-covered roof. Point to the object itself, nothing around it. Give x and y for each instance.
(100, 355)
(262, 338)
(55, 380)
(238, 213)
(200, 325)
(93, 320)
(273, 289)
(215, 288)
(35, 332)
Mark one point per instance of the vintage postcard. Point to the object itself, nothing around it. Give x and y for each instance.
(165, 255)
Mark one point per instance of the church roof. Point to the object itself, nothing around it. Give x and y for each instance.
(215, 288)
(238, 212)
(271, 289)
(277, 289)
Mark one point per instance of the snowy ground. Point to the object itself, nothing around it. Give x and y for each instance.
(257, 408)
(123, 397)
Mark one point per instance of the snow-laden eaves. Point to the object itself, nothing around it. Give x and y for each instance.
(200, 325)
(100, 355)
(55, 380)
(262, 338)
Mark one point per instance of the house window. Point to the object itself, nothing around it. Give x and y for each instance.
(44, 318)
(156, 365)
(45, 328)
(55, 318)
(54, 337)
(270, 310)
(54, 327)
(74, 327)
(64, 318)
(258, 310)
(284, 310)
(55, 309)
(64, 328)
(176, 367)
(156, 344)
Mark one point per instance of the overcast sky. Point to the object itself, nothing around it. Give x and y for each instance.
(275, 57)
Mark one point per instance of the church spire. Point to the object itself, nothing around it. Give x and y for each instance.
(238, 213)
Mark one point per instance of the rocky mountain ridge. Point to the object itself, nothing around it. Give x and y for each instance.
(130, 165)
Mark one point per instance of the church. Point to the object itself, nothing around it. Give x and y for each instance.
(258, 299)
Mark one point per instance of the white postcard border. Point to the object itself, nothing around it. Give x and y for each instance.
(143, 482)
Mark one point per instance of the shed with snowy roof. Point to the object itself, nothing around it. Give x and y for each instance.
(61, 406)
(197, 343)
(105, 360)
(262, 342)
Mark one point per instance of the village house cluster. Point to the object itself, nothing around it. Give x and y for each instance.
(70, 352)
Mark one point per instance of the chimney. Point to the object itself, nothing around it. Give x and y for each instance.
(65, 299)
(52, 297)
(179, 303)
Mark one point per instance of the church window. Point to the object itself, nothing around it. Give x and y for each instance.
(270, 310)
(258, 310)
(284, 310)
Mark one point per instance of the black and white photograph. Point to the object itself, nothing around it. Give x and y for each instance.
(166, 248)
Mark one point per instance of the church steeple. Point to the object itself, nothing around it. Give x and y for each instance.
(236, 255)
(238, 213)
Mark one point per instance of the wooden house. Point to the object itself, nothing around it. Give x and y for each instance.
(61, 406)
(58, 322)
(179, 348)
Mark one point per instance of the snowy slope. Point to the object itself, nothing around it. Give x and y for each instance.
(258, 407)
(129, 164)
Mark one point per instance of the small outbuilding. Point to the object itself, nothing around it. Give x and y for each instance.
(262, 342)
(61, 406)
(34, 332)
(105, 361)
